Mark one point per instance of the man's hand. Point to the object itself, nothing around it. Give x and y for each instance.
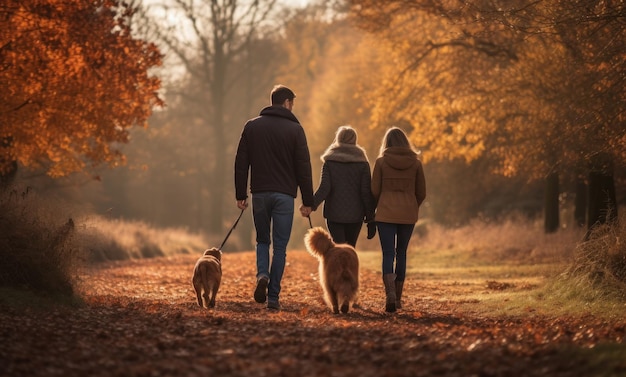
(242, 204)
(305, 211)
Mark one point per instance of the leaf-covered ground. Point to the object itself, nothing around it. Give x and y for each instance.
(140, 319)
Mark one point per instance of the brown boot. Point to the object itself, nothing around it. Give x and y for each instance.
(390, 292)
(399, 286)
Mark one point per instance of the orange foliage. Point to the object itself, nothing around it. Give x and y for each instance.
(333, 67)
(534, 86)
(74, 81)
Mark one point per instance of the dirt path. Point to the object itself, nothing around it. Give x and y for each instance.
(140, 319)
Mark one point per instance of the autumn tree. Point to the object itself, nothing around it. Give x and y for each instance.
(530, 83)
(212, 41)
(74, 81)
(171, 162)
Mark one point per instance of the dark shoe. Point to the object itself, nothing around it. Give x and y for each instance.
(260, 292)
(371, 230)
(399, 286)
(273, 305)
(390, 292)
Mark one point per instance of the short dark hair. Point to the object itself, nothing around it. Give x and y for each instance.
(280, 93)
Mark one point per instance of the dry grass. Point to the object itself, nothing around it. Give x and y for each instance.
(106, 239)
(510, 267)
(514, 243)
(598, 270)
(45, 243)
(513, 268)
(37, 245)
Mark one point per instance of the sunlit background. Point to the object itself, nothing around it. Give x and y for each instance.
(119, 122)
(515, 111)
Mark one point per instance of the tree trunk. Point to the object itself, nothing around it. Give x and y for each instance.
(217, 183)
(602, 201)
(248, 232)
(580, 203)
(8, 168)
(7, 175)
(551, 219)
(216, 186)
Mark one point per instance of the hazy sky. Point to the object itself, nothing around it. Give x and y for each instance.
(295, 3)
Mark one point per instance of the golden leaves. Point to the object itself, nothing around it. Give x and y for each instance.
(472, 85)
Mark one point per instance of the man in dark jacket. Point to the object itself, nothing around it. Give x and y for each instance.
(273, 148)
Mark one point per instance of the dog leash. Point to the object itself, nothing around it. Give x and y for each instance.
(231, 230)
(310, 224)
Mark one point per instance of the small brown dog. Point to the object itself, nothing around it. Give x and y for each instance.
(338, 269)
(207, 276)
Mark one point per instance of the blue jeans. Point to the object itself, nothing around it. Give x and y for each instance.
(394, 241)
(272, 212)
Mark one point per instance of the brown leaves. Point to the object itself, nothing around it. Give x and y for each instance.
(140, 318)
(499, 286)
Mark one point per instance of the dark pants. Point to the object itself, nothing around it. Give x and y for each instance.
(344, 232)
(394, 240)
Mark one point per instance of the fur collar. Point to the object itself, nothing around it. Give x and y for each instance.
(342, 152)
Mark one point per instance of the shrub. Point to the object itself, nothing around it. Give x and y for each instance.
(598, 270)
(37, 244)
(43, 249)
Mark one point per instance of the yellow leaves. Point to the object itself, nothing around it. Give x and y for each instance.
(470, 89)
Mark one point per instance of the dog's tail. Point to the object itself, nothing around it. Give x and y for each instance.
(318, 241)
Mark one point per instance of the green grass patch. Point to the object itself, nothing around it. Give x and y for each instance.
(513, 268)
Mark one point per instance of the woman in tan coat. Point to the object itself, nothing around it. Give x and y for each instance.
(399, 188)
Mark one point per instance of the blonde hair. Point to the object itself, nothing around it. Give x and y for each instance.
(345, 137)
(345, 134)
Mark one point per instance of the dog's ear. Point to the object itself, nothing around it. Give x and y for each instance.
(215, 252)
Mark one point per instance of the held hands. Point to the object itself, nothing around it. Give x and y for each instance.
(305, 211)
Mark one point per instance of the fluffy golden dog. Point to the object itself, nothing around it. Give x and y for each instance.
(207, 276)
(338, 269)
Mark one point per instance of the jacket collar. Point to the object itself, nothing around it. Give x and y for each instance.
(342, 152)
(279, 111)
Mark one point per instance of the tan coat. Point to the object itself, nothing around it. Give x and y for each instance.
(398, 186)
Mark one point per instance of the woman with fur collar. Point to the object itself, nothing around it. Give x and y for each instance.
(345, 188)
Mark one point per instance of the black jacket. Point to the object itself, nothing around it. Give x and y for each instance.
(346, 189)
(273, 148)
